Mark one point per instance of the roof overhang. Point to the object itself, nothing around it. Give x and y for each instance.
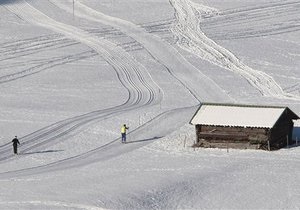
(237, 115)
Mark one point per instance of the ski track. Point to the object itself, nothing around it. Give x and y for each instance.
(64, 129)
(139, 138)
(257, 21)
(33, 46)
(114, 55)
(26, 48)
(142, 91)
(192, 39)
(131, 74)
(162, 28)
(43, 65)
(61, 130)
(162, 52)
(141, 94)
(254, 21)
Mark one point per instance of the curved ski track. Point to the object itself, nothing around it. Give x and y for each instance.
(33, 46)
(142, 91)
(63, 129)
(198, 84)
(114, 148)
(192, 39)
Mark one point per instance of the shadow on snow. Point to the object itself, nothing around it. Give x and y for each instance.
(143, 140)
(38, 152)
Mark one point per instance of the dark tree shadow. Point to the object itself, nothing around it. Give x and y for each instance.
(143, 140)
(46, 151)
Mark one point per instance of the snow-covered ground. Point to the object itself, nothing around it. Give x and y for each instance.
(69, 78)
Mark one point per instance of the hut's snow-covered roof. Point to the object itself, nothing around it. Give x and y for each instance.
(238, 115)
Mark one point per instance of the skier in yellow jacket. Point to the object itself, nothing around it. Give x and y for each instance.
(123, 133)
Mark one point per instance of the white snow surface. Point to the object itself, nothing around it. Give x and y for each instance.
(257, 117)
(71, 76)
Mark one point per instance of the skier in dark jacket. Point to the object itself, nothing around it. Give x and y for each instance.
(15, 142)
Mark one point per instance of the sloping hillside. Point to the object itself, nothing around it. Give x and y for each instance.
(72, 72)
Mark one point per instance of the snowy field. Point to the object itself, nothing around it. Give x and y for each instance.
(71, 76)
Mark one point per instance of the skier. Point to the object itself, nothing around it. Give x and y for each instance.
(123, 133)
(15, 142)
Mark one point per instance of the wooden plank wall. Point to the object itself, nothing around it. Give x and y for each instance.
(233, 137)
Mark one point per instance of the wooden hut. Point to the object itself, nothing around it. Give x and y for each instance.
(243, 126)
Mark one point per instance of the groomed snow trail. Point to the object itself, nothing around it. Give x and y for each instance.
(191, 38)
(138, 138)
(131, 73)
(200, 86)
(142, 90)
